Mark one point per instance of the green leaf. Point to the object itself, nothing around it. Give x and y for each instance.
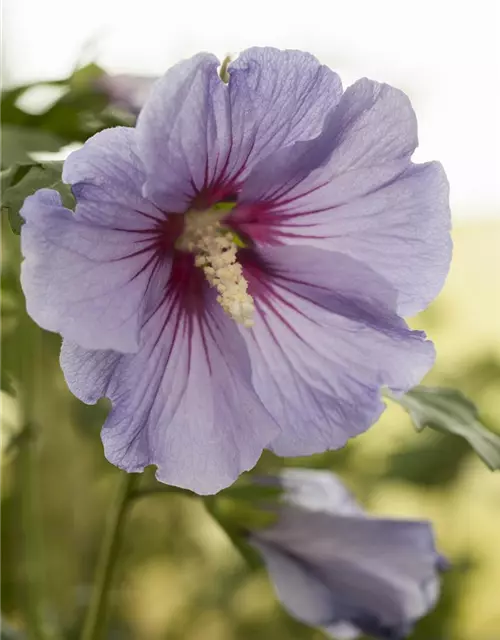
(236, 529)
(434, 460)
(241, 509)
(241, 514)
(23, 179)
(19, 141)
(85, 76)
(15, 173)
(82, 110)
(74, 117)
(449, 411)
(252, 492)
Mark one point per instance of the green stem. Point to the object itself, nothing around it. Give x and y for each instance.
(108, 555)
(30, 523)
(35, 594)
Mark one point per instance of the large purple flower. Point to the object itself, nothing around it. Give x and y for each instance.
(236, 267)
(337, 568)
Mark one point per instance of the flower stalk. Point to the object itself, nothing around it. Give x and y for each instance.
(31, 534)
(96, 615)
(35, 594)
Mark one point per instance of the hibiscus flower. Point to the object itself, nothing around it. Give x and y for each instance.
(237, 266)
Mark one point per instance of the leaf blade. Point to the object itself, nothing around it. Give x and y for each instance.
(22, 180)
(449, 411)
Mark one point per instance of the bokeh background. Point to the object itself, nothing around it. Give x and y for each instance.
(179, 578)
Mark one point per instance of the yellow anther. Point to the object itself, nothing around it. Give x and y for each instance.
(216, 253)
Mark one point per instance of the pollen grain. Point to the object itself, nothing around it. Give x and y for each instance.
(216, 255)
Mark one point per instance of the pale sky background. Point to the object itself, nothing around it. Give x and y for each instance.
(444, 54)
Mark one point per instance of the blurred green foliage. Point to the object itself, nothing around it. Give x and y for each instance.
(81, 110)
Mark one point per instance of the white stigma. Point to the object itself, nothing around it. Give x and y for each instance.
(215, 252)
